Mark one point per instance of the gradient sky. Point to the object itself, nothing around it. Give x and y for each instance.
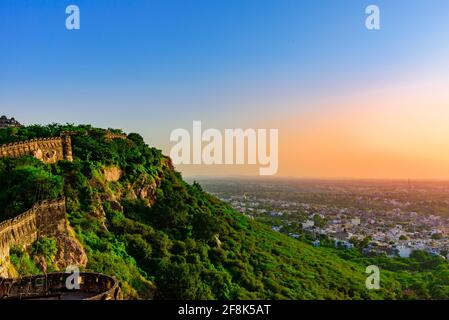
(348, 102)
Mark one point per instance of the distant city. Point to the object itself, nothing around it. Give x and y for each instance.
(379, 218)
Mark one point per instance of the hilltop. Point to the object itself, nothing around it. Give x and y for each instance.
(138, 220)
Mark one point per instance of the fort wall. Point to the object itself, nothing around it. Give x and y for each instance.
(47, 218)
(111, 136)
(48, 150)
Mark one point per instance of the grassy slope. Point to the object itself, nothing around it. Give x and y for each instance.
(189, 244)
(288, 268)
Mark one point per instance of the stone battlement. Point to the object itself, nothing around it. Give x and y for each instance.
(6, 123)
(111, 136)
(48, 150)
(47, 218)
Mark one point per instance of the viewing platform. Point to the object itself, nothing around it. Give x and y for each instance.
(52, 286)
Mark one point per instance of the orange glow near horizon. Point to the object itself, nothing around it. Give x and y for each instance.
(399, 133)
(399, 130)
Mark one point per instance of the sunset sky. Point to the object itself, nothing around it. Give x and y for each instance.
(348, 102)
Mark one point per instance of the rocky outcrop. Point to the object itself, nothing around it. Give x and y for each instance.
(112, 174)
(144, 189)
(111, 136)
(70, 251)
(7, 123)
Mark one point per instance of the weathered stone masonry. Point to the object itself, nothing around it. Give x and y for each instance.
(47, 218)
(111, 136)
(48, 150)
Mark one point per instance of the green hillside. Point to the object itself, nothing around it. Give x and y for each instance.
(165, 239)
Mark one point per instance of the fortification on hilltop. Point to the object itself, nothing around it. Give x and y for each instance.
(48, 219)
(48, 150)
(6, 123)
(111, 136)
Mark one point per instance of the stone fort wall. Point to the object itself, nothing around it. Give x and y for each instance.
(48, 150)
(47, 218)
(111, 136)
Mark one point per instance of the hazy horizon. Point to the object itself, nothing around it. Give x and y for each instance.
(324, 179)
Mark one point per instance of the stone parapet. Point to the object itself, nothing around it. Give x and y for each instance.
(48, 150)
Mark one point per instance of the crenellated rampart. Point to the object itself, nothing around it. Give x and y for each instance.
(111, 136)
(47, 218)
(48, 150)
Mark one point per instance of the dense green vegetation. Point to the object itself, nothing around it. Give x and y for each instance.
(22, 262)
(30, 262)
(174, 241)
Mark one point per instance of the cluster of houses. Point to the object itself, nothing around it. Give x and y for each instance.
(390, 232)
(394, 232)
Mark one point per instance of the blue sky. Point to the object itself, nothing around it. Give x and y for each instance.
(152, 66)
